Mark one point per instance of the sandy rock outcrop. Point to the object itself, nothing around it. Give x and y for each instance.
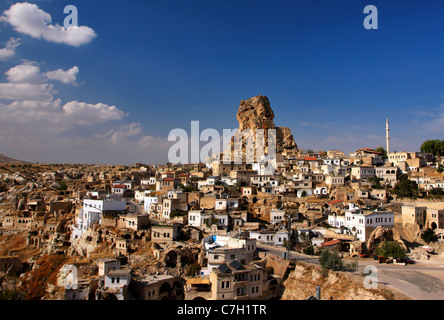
(256, 113)
(302, 283)
(381, 234)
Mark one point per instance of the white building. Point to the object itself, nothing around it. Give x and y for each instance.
(147, 201)
(265, 237)
(226, 249)
(116, 282)
(195, 218)
(362, 172)
(321, 190)
(226, 204)
(277, 216)
(336, 221)
(362, 222)
(91, 213)
(280, 238)
(140, 195)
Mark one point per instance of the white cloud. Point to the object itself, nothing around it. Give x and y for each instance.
(25, 73)
(9, 50)
(29, 72)
(86, 113)
(33, 98)
(67, 77)
(26, 91)
(435, 123)
(29, 19)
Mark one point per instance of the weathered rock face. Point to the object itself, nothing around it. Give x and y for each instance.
(256, 113)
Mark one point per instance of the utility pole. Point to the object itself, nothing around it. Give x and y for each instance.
(318, 293)
(289, 213)
(289, 236)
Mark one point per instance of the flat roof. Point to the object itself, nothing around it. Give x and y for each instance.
(118, 272)
(198, 281)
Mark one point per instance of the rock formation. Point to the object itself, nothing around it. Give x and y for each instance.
(256, 113)
(381, 234)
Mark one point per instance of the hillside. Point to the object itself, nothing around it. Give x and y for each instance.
(6, 160)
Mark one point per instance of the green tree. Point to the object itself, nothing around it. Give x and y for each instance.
(436, 192)
(429, 236)
(440, 168)
(435, 147)
(309, 250)
(391, 249)
(62, 186)
(406, 188)
(382, 151)
(376, 182)
(330, 260)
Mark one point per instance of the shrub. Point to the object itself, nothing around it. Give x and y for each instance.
(429, 236)
(391, 249)
(330, 260)
(10, 294)
(309, 250)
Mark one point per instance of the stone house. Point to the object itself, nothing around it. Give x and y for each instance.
(235, 281)
(435, 219)
(106, 264)
(160, 287)
(164, 233)
(114, 285)
(414, 215)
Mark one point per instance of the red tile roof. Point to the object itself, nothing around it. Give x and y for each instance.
(335, 201)
(310, 158)
(330, 243)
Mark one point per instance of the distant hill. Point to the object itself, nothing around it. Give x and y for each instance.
(6, 160)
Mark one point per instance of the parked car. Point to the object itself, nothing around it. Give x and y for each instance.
(406, 261)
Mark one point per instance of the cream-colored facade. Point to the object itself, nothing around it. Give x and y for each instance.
(412, 215)
(238, 282)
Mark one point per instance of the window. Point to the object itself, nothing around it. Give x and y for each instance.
(225, 284)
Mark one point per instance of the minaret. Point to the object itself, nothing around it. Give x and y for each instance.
(387, 136)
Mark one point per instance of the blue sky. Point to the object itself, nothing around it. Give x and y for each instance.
(139, 69)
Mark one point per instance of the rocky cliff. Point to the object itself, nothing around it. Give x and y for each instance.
(256, 113)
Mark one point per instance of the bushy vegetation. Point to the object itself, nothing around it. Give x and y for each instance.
(429, 236)
(11, 294)
(330, 260)
(435, 147)
(62, 186)
(382, 151)
(406, 188)
(376, 183)
(309, 250)
(391, 249)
